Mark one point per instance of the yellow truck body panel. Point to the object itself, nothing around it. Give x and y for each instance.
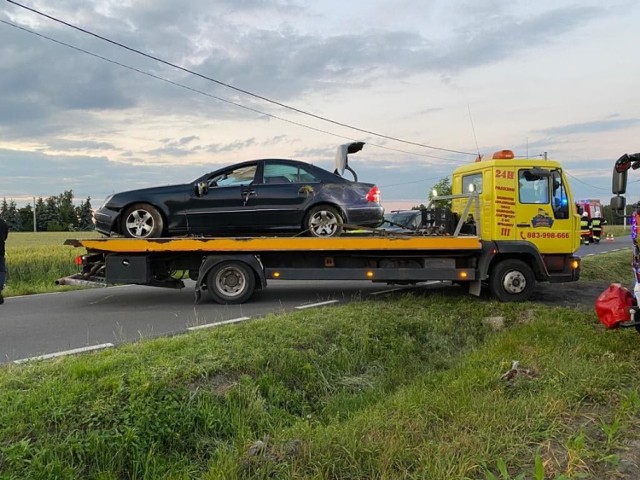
(522, 199)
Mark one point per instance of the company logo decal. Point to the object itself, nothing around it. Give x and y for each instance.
(542, 219)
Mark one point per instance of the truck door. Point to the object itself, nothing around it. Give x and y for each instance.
(542, 213)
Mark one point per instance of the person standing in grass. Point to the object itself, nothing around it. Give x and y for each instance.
(4, 232)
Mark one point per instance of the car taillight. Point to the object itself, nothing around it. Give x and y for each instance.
(374, 194)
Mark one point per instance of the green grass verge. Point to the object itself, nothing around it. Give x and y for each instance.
(408, 388)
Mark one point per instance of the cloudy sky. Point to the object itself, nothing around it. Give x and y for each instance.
(78, 112)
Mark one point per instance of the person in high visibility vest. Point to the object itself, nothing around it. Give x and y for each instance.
(596, 228)
(585, 227)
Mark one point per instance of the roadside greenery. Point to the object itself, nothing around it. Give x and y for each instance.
(36, 260)
(53, 214)
(410, 386)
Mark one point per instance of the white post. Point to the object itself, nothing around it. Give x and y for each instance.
(35, 227)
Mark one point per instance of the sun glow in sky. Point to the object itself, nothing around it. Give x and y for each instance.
(558, 77)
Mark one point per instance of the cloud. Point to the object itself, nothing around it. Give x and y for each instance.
(596, 126)
(364, 62)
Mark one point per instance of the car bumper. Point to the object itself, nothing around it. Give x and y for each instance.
(105, 220)
(365, 216)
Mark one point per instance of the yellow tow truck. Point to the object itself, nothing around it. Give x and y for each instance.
(510, 225)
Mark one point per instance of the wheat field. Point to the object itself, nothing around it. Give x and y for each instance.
(36, 259)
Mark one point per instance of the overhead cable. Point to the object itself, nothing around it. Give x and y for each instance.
(227, 85)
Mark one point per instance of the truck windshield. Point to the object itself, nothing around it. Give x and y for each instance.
(533, 188)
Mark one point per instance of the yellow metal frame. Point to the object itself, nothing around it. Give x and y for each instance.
(280, 244)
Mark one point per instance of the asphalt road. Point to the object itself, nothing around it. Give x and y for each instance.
(50, 324)
(37, 325)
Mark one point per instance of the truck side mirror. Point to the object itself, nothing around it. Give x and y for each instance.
(618, 203)
(619, 182)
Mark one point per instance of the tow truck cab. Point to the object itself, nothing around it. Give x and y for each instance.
(526, 200)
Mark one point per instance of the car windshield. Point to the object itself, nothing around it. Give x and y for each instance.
(404, 219)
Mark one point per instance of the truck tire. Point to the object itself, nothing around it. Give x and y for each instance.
(323, 221)
(512, 280)
(231, 282)
(142, 221)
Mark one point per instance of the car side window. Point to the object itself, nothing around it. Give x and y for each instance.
(286, 173)
(236, 177)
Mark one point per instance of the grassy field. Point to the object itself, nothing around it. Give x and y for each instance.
(404, 388)
(36, 260)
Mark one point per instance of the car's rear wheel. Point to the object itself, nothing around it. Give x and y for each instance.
(142, 221)
(323, 221)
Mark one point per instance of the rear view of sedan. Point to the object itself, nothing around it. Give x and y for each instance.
(260, 196)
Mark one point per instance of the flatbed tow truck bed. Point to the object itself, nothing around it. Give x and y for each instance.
(231, 269)
(281, 244)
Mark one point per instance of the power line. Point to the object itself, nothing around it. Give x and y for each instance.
(585, 183)
(195, 90)
(237, 89)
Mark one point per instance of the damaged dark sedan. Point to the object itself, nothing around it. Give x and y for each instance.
(260, 196)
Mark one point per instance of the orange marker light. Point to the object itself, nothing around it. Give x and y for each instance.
(503, 155)
(463, 275)
(276, 274)
(369, 274)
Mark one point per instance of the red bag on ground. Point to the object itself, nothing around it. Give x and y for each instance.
(612, 306)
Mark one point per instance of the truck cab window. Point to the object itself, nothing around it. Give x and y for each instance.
(475, 180)
(533, 188)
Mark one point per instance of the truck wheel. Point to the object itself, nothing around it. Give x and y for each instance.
(142, 221)
(323, 221)
(512, 281)
(231, 282)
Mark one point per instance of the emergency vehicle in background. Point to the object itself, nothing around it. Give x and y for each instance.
(512, 223)
(593, 209)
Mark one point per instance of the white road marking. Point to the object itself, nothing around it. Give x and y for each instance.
(217, 324)
(67, 352)
(382, 292)
(311, 305)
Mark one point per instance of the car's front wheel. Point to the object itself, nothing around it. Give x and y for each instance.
(323, 221)
(142, 221)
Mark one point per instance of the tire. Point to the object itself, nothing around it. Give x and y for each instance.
(512, 281)
(323, 221)
(142, 221)
(231, 282)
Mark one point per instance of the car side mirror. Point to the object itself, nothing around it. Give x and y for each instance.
(202, 188)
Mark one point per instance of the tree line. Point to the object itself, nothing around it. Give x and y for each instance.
(52, 214)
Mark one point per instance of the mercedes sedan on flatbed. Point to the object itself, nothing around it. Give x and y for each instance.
(259, 196)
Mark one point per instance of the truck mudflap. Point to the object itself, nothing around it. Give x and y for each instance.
(570, 272)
